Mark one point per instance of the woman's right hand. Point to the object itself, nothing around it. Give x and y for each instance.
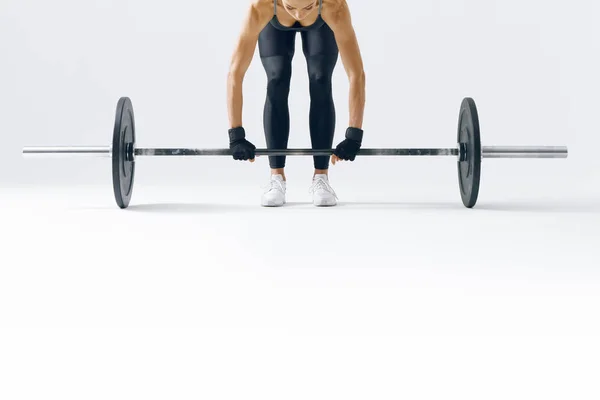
(241, 149)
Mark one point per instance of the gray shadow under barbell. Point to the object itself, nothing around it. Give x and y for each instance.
(591, 206)
(580, 207)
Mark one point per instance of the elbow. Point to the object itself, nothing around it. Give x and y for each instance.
(358, 78)
(235, 76)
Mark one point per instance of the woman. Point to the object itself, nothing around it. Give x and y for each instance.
(326, 30)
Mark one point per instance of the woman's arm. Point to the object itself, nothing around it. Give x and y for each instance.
(258, 16)
(337, 15)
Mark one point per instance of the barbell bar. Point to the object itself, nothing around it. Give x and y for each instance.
(468, 152)
(487, 152)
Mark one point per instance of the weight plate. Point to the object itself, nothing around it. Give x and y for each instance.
(123, 144)
(469, 170)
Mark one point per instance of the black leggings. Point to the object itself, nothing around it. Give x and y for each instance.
(276, 49)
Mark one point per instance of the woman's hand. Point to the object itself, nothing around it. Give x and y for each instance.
(349, 147)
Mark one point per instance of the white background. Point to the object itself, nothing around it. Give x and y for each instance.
(196, 292)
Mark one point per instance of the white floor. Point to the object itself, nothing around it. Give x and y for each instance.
(392, 294)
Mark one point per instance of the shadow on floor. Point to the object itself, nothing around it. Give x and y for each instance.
(574, 206)
(547, 206)
(404, 205)
(186, 208)
(588, 207)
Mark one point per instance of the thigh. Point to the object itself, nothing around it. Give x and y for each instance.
(274, 42)
(319, 42)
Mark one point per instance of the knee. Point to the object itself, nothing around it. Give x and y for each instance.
(278, 84)
(320, 71)
(279, 72)
(279, 78)
(319, 78)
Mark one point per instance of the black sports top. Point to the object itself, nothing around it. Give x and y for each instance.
(297, 26)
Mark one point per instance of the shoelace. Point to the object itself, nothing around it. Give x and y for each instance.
(274, 184)
(320, 183)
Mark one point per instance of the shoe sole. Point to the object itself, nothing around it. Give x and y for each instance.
(325, 203)
(271, 204)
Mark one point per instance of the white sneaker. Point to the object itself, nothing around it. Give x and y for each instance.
(274, 195)
(323, 193)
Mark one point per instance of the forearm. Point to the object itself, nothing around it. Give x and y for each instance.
(235, 99)
(357, 100)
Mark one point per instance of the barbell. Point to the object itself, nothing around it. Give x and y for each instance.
(468, 152)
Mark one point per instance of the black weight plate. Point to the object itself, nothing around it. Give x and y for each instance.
(469, 170)
(123, 165)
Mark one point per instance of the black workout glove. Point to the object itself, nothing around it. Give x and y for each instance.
(348, 148)
(241, 149)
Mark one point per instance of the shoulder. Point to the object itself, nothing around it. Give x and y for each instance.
(261, 9)
(335, 12)
(259, 12)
